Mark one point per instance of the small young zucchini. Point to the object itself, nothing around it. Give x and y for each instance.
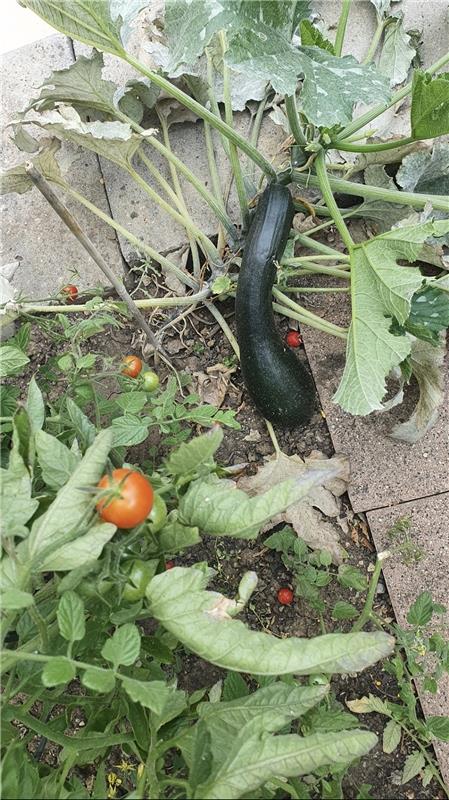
(278, 383)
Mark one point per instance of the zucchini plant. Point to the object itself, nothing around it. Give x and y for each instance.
(224, 55)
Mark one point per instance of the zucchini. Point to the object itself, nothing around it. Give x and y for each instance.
(279, 384)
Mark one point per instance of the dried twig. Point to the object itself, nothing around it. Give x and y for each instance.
(69, 220)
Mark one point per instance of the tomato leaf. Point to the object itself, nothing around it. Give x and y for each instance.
(12, 359)
(191, 455)
(150, 694)
(57, 672)
(199, 620)
(56, 461)
(218, 508)
(62, 522)
(123, 647)
(391, 736)
(70, 615)
(255, 757)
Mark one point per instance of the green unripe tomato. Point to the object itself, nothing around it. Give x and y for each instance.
(93, 588)
(139, 576)
(150, 380)
(158, 514)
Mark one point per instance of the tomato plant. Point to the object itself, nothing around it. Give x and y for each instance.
(71, 291)
(129, 499)
(150, 380)
(131, 366)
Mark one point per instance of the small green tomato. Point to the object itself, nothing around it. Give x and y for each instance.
(150, 380)
(158, 514)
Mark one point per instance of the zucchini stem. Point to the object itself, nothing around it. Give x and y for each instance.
(141, 246)
(319, 247)
(273, 437)
(233, 152)
(203, 113)
(341, 29)
(317, 323)
(373, 147)
(287, 301)
(224, 326)
(148, 302)
(381, 25)
(294, 121)
(324, 184)
(375, 193)
(335, 272)
(180, 197)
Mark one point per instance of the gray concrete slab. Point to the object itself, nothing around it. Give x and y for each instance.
(30, 228)
(430, 532)
(384, 471)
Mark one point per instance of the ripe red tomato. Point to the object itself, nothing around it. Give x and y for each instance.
(71, 291)
(130, 500)
(131, 366)
(293, 339)
(285, 596)
(169, 564)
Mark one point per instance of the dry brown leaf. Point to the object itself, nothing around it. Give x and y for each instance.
(212, 388)
(252, 436)
(305, 516)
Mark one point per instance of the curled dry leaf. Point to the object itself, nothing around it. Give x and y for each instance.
(213, 385)
(304, 516)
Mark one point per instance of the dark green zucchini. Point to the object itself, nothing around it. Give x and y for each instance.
(279, 385)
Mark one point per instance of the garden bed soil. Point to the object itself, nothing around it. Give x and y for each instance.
(198, 346)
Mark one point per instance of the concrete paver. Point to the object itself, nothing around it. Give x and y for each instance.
(430, 532)
(30, 228)
(384, 471)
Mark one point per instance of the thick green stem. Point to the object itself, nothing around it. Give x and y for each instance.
(233, 152)
(368, 607)
(178, 193)
(374, 147)
(213, 169)
(212, 98)
(224, 326)
(294, 121)
(324, 184)
(337, 272)
(287, 301)
(341, 29)
(381, 25)
(204, 113)
(312, 321)
(311, 289)
(273, 437)
(319, 247)
(375, 193)
(206, 244)
(138, 243)
(305, 259)
(215, 204)
(255, 130)
(364, 119)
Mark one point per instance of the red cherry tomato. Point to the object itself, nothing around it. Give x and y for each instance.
(169, 564)
(71, 291)
(285, 596)
(293, 339)
(130, 498)
(131, 366)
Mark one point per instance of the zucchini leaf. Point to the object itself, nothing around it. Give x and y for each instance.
(88, 22)
(427, 367)
(381, 290)
(429, 111)
(397, 52)
(200, 621)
